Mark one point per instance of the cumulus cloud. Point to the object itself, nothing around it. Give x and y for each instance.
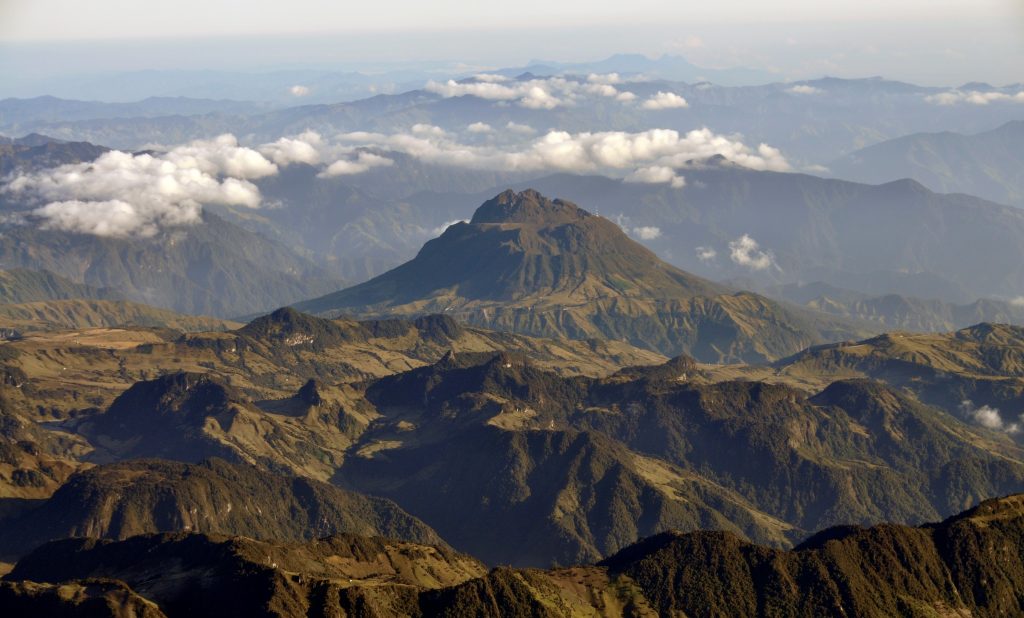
(657, 174)
(304, 148)
(1017, 301)
(522, 129)
(973, 97)
(804, 89)
(625, 97)
(364, 162)
(121, 194)
(539, 98)
(647, 232)
(480, 127)
(604, 78)
(746, 252)
(989, 417)
(298, 91)
(428, 130)
(706, 254)
(580, 152)
(539, 93)
(221, 156)
(664, 100)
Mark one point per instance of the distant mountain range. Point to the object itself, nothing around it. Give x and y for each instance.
(317, 231)
(214, 268)
(812, 122)
(896, 238)
(892, 311)
(42, 301)
(35, 152)
(527, 264)
(985, 164)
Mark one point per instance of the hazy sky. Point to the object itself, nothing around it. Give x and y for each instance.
(929, 41)
(106, 19)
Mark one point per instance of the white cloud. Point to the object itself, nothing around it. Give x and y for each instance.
(625, 97)
(298, 91)
(540, 93)
(522, 129)
(604, 90)
(480, 127)
(221, 156)
(745, 251)
(988, 417)
(647, 232)
(1017, 301)
(428, 129)
(113, 218)
(490, 78)
(364, 162)
(304, 148)
(539, 98)
(657, 174)
(579, 152)
(437, 231)
(121, 194)
(804, 89)
(665, 100)
(604, 78)
(973, 97)
(706, 254)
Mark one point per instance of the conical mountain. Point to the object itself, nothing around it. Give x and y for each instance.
(529, 264)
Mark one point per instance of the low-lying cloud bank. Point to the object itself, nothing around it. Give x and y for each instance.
(974, 97)
(540, 93)
(122, 194)
(649, 156)
(804, 89)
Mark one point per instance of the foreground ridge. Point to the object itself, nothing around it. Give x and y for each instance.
(969, 565)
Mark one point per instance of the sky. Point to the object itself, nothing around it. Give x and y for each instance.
(937, 42)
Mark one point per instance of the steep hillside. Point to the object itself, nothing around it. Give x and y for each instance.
(213, 268)
(215, 497)
(200, 575)
(85, 314)
(81, 599)
(190, 417)
(269, 359)
(20, 285)
(36, 152)
(528, 264)
(984, 164)
(891, 311)
(962, 372)
(968, 565)
(33, 460)
(580, 457)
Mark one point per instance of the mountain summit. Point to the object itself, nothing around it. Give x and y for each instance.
(529, 264)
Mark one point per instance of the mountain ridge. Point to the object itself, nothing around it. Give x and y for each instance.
(529, 264)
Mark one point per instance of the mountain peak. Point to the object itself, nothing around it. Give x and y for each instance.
(528, 206)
